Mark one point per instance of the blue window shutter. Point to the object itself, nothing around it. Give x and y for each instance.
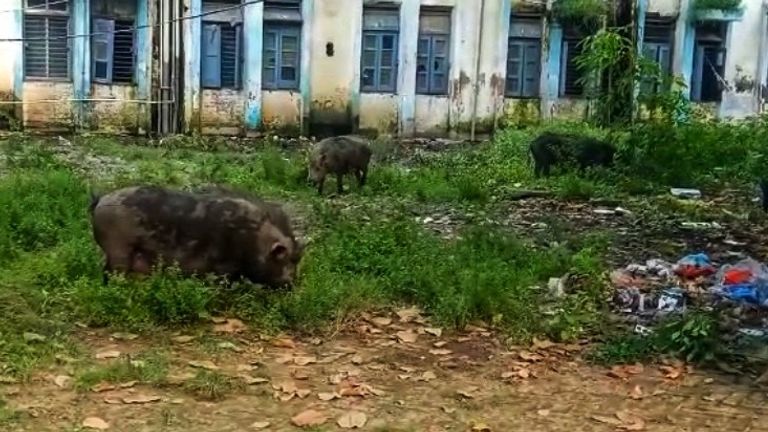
(439, 71)
(290, 50)
(423, 65)
(211, 56)
(238, 55)
(270, 58)
(665, 57)
(531, 69)
(102, 49)
(514, 68)
(124, 52)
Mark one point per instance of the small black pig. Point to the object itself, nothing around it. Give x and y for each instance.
(339, 155)
(213, 231)
(550, 149)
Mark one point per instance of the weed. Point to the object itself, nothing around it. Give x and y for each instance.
(210, 385)
(149, 368)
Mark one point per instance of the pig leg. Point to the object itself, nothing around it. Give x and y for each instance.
(320, 186)
(339, 183)
(363, 177)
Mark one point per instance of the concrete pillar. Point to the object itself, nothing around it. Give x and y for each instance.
(550, 81)
(253, 38)
(685, 37)
(80, 17)
(192, 42)
(305, 77)
(640, 11)
(406, 73)
(143, 70)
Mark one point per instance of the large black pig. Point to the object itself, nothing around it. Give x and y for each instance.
(550, 149)
(214, 231)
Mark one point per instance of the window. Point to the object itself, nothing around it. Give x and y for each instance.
(569, 72)
(112, 51)
(381, 28)
(709, 62)
(657, 46)
(221, 56)
(46, 45)
(282, 45)
(432, 52)
(523, 58)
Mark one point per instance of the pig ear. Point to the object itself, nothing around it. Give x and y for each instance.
(278, 251)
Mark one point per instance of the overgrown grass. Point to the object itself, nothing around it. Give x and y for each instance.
(148, 368)
(211, 385)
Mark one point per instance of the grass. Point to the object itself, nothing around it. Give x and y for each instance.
(368, 251)
(211, 385)
(149, 368)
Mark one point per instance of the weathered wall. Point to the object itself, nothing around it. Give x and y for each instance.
(664, 7)
(742, 64)
(379, 113)
(493, 64)
(433, 115)
(116, 117)
(40, 112)
(334, 49)
(222, 111)
(281, 111)
(11, 65)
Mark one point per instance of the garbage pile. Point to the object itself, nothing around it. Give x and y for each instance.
(650, 291)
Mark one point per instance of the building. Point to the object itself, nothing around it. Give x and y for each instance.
(400, 67)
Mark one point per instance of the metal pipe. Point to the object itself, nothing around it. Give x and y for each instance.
(32, 102)
(477, 71)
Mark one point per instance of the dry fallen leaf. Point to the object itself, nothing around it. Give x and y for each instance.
(529, 357)
(467, 393)
(323, 396)
(183, 339)
(352, 420)
(543, 412)
(607, 420)
(381, 321)
(524, 373)
(309, 418)
(102, 387)
(140, 399)
(407, 336)
(542, 344)
(112, 401)
(439, 344)
(636, 393)
(218, 320)
(357, 359)
(408, 314)
(434, 331)
(428, 376)
(671, 372)
(128, 384)
(260, 425)
(205, 364)
(62, 380)
(303, 393)
(124, 336)
(284, 343)
(95, 423)
(107, 355)
(481, 427)
(249, 380)
(232, 325)
(630, 421)
(440, 352)
(449, 410)
(508, 375)
(303, 361)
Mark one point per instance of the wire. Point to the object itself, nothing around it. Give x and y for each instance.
(133, 29)
(36, 8)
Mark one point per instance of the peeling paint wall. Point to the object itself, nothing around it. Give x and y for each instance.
(379, 113)
(282, 111)
(44, 115)
(115, 117)
(664, 7)
(742, 63)
(334, 52)
(433, 115)
(222, 111)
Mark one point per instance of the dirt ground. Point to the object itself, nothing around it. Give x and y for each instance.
(391, 371)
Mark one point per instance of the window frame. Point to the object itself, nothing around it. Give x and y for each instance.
(216, 81)
(46, 13)
(280, 30)
(375, 26)
(563, 91)
(432, 37)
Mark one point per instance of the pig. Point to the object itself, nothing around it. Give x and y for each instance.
(553, 149)
(213, 231)
(339, 155)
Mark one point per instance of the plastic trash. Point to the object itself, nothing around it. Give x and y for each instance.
(693, 266)
(686, 193)
(671, 300)
(756, 294)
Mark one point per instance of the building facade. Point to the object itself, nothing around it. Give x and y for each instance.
(399, 67)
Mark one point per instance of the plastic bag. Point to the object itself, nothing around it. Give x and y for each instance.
(745, 281)
(693, 266)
